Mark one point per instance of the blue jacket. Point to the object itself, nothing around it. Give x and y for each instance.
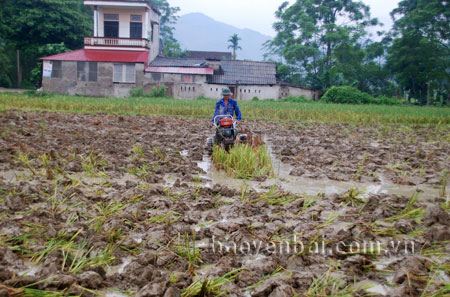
(232, 107)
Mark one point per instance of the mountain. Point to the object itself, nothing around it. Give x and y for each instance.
(198, 32)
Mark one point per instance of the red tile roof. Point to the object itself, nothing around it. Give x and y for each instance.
(181, 70)
(102, 56)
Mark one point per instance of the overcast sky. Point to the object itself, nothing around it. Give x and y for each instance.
(258, 15)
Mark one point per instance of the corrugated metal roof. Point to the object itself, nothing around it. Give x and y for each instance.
(246, 72)
(177, 62)
(181, 70)
(210, 55)
(102, 56)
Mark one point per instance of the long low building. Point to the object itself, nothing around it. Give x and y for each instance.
(191, 78)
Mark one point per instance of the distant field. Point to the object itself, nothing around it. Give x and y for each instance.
(204, 108)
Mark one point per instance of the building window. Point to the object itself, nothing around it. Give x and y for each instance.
(124, 73)
(111, 17)
(136, 18)
(136, 30)
(57, 69)
(111, 29)
(87, 71)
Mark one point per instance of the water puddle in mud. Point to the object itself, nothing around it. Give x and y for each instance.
(124, 179)
(381, 264)
(202, 244)
(372, 287)
(31, 269)
(112, 293)
(15, 176)
(205, 164)
(201, 225)
(309, 186)
(119, 268)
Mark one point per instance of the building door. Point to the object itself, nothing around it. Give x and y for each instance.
(111, 29)
(233, 89)
(135, 30)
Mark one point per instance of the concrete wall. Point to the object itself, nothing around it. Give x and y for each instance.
(183, 86)
(212, 91)
(193, 86)
(287, 91)
(262, 92)
(311, 94)
(103, 87)
(154, 45)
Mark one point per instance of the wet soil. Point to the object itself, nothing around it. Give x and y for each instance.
(364, 208)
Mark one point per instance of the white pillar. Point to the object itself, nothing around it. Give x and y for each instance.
(95, 22)
(147, 17)
(100, 27)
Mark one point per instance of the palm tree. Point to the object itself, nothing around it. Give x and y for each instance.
(234, 40)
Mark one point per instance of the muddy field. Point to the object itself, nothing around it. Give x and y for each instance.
(127, 205)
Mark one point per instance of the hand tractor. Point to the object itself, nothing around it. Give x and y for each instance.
(226, 133)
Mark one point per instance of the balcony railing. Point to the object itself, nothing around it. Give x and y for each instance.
(117, 42)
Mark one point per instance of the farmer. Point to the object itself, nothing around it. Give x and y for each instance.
(227, 106)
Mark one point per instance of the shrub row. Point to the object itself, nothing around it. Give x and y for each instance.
(351, 95)
(156, 92)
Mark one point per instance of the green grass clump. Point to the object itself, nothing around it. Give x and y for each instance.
(326, 285)
(210, 287)
(276, 197)
(186, 249)
(289, 110)
(77, 257)
(167, 218)
(243, 161)
(409, 212)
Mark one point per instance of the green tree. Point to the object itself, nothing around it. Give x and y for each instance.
(171, 47)
(315, 36)
(40, 22)
(5, 65)
(374, 77)
(44, 51)
(29, 25)
(168, 17)
(234, 44)
(419, 55)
